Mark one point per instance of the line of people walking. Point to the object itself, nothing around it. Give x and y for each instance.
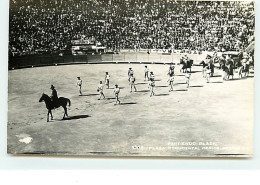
(148, 76)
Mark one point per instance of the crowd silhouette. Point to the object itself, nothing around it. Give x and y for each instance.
(49, 26)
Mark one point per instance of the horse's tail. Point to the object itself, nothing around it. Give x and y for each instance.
(69, 102)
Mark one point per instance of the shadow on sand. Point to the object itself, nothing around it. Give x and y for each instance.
(129, 103)
(181, 83)
(218, 82)
(76, 117)
(161, 86)
(161, 95)
(181, 90)
(143, 91)
(141, 83)
(196, 86)
(89, 94)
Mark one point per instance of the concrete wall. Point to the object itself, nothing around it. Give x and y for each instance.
(42, 60)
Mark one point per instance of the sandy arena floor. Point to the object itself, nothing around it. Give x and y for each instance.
(206, 120)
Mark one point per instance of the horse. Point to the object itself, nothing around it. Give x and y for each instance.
(50, 105)
(207, 64)
(185, 65)
(230, 70)
(211, 67)
(225, 70)
(243, 67)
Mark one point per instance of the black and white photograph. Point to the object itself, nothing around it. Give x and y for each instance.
(131, 78)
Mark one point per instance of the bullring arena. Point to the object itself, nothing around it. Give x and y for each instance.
(52, 43)
(207, 119)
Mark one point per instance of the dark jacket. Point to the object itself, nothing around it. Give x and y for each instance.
(54, 95)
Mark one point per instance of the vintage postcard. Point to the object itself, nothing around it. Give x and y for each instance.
(131, 78)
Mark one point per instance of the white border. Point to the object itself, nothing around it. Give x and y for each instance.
(8, 162)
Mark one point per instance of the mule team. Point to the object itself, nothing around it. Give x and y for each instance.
(226, 64)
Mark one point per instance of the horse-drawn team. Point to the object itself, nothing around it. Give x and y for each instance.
(228, 65)
(224, 63)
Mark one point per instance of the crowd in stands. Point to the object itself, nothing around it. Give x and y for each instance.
(50, 25)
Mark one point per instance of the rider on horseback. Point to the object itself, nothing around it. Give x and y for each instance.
(54, 96)
(54, 102)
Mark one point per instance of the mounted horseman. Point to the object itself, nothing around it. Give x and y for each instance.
(185, 63)
(54, 102)
(54, 97)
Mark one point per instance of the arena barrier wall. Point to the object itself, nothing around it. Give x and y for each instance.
(122, 57)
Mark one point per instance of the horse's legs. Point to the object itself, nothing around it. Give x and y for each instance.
(65, 112)
(247, 72)
(239, 73)
(49, 112)
(48, 115)
(51, 115)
